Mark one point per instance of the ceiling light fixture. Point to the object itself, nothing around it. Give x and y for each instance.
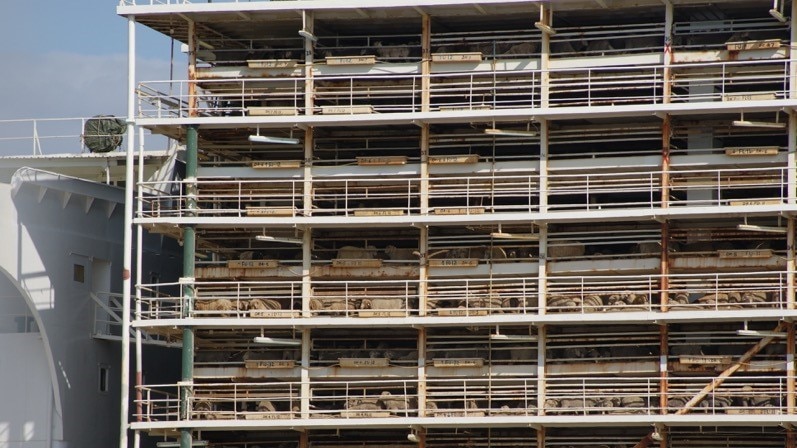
(758, 124)
(266, 340)
(510, 133)
(278, 239)
(761, 333)
(276, 140)
(765, 229)
(514, 236)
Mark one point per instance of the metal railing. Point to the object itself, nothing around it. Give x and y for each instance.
(481, 397)
(42, 136)
(471, 296)
(461, 194)
(512, 89)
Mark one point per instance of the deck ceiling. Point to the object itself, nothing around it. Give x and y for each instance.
(259, 20)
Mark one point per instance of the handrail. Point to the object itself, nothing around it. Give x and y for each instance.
(495, 193)
(236, 299)
(452, 397)
(492, 89)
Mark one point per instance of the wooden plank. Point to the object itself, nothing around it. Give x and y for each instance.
(458, 362)
(268, 416)
(459, 312)
(269, 211)
(269, 314)
(714, 360)
(749, 253)
(262, 111)
(380, 313)
(470, 56)
(252, 264)
(751, 151)
(272, 63)
(364, 414)
(364, 362)
(268, 164)
(356, 263)
(368, 59)
(755, 411)
(269, 364)
(347, 110)
(382, 160)
(439, 413)
(454, 263)
(459, 211)
(462, 107)
(753, 45)
(749, 97)
(458, 159)
(757, 202)
(367, 212)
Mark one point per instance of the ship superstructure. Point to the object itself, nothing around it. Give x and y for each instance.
(475, 223)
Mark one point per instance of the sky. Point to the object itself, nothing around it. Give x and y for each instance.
(63, 59)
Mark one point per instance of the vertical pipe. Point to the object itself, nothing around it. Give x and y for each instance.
(668, 56)
(541, 437)
(664, 284)
(790, 384)
(546, 18)
(423, 246)
(422, 372)
(139, 279)
(309, 49)
(426, 62)
(304, 398)
(664, 383)
(192, 44)
(542, 334)
(189, 247)
(128, 232)
(542, 275)
(791, 264)
(423, 271)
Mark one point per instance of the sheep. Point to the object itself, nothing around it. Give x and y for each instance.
(262, 304)
(566, 249)
(392, 52)
(524, 48)
(363, 404)
(205, 409)
(395, 403)
(562, 47)
(215, 305)
(592, 303)
(265, 406)
(564, 303)
(357, 253)
(400, 254)
(599, 46)
(337, 305)
(382, 304)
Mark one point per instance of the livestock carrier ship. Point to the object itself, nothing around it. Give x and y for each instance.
(483, 223)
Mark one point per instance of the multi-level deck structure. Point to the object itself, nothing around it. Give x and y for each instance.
(484, 223)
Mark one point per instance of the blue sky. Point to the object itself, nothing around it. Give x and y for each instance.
(63, 59)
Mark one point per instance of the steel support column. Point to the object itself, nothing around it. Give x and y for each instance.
(192, 47)
(189, 249)
(426, 62)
